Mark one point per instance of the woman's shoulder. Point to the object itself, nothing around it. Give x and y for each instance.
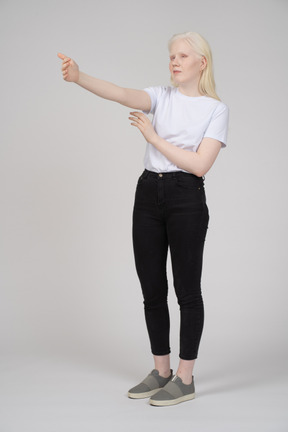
(218, 103)
(160, 89)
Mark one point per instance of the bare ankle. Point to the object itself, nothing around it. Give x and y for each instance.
(165, 373)
(162, 364)
(186, 379)
(185, 371)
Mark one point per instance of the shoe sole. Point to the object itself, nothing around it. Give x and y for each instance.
(143, 395)
(172, 401)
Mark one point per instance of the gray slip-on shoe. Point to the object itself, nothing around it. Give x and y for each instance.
(173, 393)
(149, 386)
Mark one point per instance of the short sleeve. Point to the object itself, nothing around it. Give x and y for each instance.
(218, 125)
(154, 93)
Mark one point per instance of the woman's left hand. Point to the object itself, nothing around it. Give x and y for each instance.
(142, 122)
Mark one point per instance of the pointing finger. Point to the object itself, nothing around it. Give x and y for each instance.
(63, 57)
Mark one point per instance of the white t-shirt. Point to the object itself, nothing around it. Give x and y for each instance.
(183, 121)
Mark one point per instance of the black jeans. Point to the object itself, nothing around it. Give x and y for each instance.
(170, 211)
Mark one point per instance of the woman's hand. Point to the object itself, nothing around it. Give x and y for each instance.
(142, 122)
(70, 69)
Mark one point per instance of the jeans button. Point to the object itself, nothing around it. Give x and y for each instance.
(160, 175)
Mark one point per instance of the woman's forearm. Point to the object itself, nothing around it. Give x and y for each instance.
(137, 99)
(100, 87)
(197, 163)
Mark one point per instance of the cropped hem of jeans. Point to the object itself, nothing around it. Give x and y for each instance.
(188, 359)
(161, 354)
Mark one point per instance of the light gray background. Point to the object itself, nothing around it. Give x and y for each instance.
(71, 318)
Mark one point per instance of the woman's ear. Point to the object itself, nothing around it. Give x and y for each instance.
(203, 63)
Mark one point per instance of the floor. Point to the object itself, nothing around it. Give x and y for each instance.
(58, 394)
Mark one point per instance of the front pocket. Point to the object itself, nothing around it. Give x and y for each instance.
(189, 183)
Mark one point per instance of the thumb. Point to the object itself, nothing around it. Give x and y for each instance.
(61, 56)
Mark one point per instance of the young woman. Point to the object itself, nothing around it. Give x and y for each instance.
(189, 128)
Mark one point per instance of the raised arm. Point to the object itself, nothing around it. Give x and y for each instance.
(136, 99)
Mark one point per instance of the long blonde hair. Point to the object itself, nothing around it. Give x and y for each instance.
(201, 48)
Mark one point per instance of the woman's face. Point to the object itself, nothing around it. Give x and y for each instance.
(185, 65)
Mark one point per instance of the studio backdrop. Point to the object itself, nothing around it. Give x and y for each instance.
(70, 162)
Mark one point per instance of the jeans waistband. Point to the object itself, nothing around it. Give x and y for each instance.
(172, 174)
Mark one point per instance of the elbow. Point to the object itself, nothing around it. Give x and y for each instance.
(199, 171)
(198, 165)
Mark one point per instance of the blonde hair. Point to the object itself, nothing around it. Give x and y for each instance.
(201, 48)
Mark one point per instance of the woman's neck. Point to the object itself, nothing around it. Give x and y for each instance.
(192, 91)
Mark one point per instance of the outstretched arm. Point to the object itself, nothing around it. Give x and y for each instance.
(136, 99)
